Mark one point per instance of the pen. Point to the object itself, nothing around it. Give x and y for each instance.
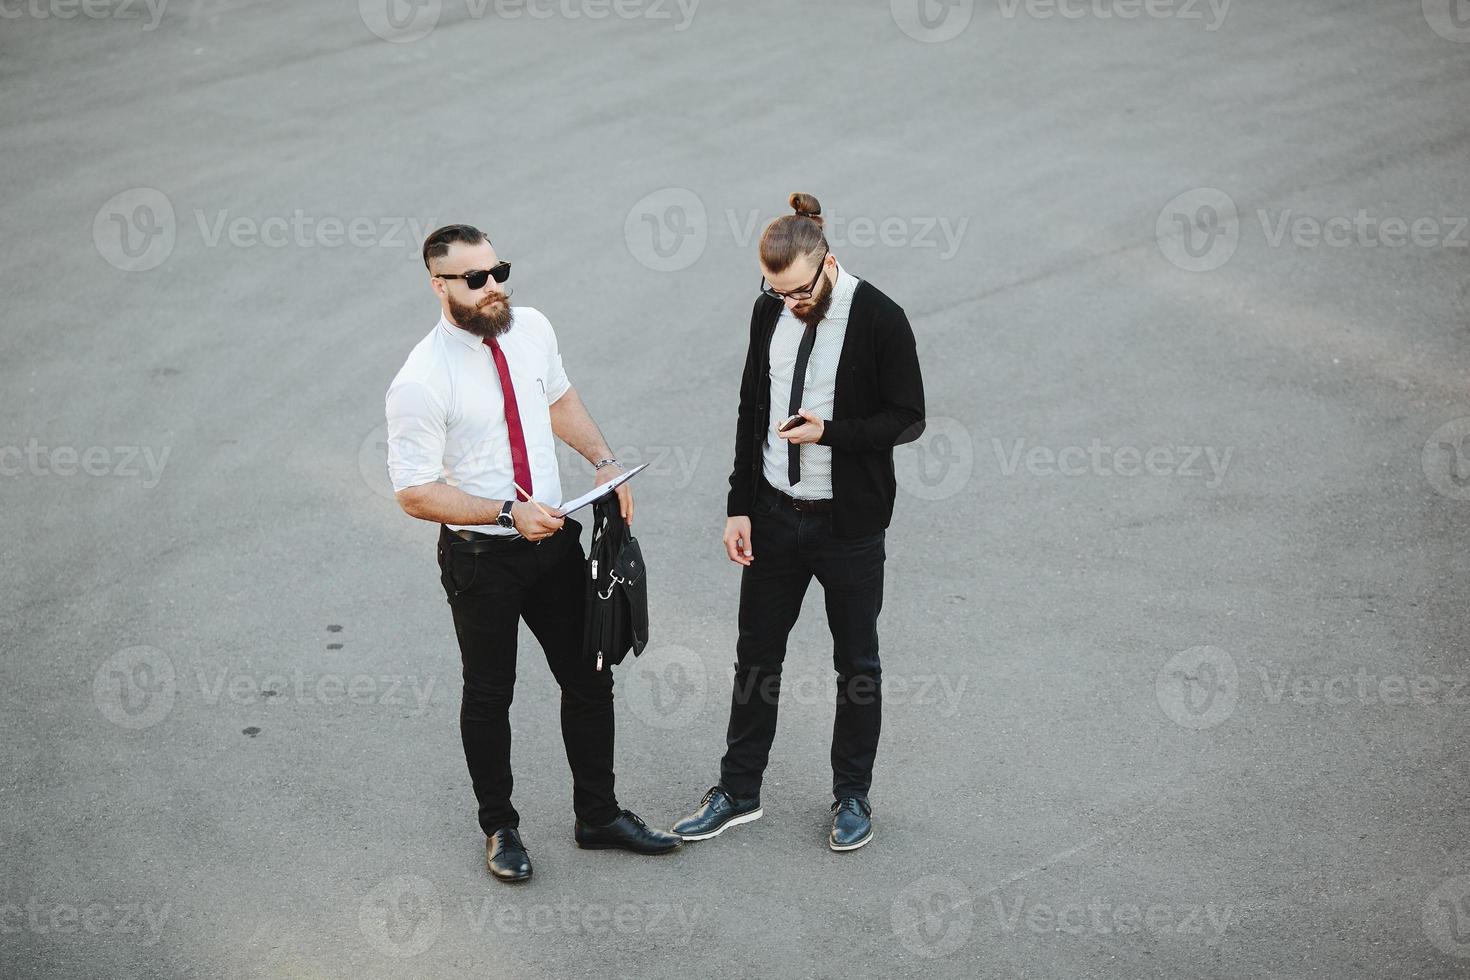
(528, 497)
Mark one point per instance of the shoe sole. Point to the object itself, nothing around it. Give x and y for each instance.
(509, 881)
(732, 822)
(850, 847)
(620, 847)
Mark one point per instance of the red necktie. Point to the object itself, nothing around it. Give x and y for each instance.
(520, 462)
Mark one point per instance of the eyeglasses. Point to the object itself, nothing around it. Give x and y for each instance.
(803, 293)
(475, 278)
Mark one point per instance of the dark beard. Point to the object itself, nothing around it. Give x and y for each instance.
(487, 320)
(821, 303)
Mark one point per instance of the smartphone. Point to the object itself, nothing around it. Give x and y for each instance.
(791, 423)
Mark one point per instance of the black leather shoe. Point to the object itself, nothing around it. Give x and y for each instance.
(507, 856)
(627, 832)
(717, 811)
(852, 824)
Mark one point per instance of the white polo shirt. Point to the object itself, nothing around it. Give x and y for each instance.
(818, 392)
(446, 413)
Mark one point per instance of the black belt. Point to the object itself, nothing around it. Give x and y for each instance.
(478, 543)
(796, 503)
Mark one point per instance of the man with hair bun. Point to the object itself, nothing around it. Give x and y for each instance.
(831, 385)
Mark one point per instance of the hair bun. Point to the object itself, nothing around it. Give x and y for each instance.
(806, 206)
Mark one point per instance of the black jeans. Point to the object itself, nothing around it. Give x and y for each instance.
(490, 592)
(790, 548)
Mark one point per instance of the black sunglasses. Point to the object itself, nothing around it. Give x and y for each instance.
(803, 293)
(475, 278)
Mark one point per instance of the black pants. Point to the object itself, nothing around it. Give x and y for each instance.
(490, 592)
(790, 548)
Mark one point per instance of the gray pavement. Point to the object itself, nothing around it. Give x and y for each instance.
(1174, 632)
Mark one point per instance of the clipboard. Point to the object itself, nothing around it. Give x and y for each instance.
(597, 493)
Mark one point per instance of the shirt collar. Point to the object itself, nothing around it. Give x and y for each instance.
(470, 340)
(842, 292)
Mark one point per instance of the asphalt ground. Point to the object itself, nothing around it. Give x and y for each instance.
(1174, 633)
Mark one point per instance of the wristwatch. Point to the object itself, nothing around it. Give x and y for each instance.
(609, 461)
(504, 519)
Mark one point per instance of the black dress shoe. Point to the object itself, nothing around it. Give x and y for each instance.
(507, 856)
(852, 824)
(627, 832)
(717, 811)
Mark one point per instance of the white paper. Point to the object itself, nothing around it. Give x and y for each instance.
(601, 491)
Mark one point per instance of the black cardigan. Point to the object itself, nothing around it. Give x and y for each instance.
(878, 404)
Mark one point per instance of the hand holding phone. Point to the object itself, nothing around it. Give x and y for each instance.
(791, 423)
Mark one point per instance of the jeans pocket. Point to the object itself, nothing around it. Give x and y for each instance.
(457, 571)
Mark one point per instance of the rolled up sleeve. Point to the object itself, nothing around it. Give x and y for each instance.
(557, 382)
(417, 424)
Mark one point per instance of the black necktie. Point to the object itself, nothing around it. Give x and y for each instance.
(798, 379)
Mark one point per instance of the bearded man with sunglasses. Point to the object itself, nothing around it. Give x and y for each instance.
(472, 416)
(831, 385)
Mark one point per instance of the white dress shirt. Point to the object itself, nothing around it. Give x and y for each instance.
(818, 391)
(446, 413)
